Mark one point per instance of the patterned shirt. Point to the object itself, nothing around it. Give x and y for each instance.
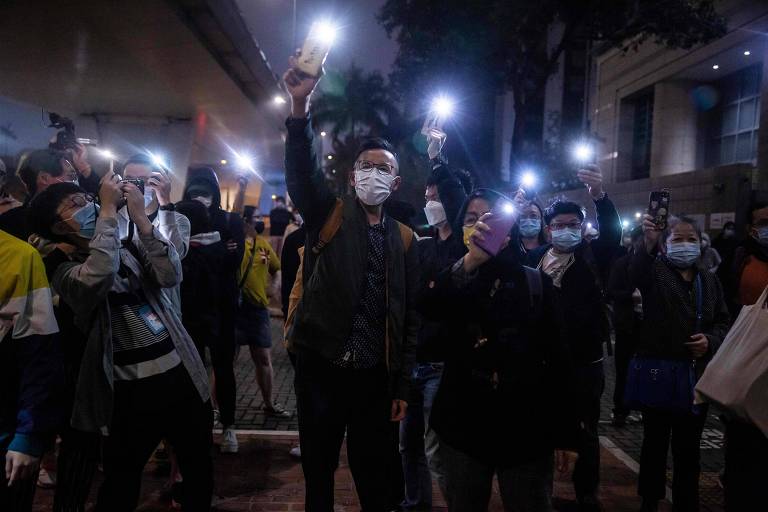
(365, 346)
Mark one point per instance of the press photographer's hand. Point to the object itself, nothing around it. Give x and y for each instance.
(135, 200)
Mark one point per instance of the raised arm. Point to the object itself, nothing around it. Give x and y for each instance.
(303, 175)
(452, 193)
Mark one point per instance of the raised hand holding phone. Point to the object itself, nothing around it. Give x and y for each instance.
(591, 176)
(300, 86)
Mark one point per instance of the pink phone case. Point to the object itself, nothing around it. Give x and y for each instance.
(500, 224)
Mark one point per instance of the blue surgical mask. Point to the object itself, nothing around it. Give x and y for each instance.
(762, 236)
(86, 219)
(530, 228)
(683, 254)
(566, 239)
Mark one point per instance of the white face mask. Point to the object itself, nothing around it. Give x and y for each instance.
(206, 200)
(435, 213)
(372, 187)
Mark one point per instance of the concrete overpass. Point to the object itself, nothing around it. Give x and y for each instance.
(184, 78)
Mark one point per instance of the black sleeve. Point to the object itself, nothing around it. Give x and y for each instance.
(91, 183)
(607, 245)
(236, 233)
(619, 287)
(452, 194)
(303, 176)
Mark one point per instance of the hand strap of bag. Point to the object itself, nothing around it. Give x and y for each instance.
(699, 303)
(248, 268)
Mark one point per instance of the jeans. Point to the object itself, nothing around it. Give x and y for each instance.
(685, 433)
(468, 482)
(418, 442)
(590, 384)
(746, 473)
(165, 406)
(330, 401)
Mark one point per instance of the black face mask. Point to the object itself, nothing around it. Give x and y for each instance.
(259, 226)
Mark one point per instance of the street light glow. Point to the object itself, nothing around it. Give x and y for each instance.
(747, 53)
(330, 157)
(442, 106)
(528, 179)
(716, 66)
(244, 161)
(625, 223)
(323, 134)
(324, 31)
(223, 162)
(583, 152)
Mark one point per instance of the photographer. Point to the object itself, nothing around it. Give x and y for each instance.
(141, 378)
(506, 357)
(159, 208)
(685, 319)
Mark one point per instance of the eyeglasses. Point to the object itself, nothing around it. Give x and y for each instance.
(79, 201)
(557, 226)
(366, 166)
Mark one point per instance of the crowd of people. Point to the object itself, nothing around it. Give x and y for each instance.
(435, 357)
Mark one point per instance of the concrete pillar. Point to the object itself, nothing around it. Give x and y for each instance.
(675, 128)
(553, 92)
(762, 141)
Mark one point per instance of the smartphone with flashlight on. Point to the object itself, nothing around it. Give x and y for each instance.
(500, 222)
(658, 207)
(316, 47)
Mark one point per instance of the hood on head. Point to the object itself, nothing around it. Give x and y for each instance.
(203, 176)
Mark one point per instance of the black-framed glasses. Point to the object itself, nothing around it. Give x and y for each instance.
(382, 168)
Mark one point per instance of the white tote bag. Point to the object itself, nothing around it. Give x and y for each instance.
(737, 376)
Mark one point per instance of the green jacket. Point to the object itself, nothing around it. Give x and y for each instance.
(333, 279)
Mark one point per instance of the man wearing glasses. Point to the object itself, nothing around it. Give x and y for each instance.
(354, 330)
(578, 269)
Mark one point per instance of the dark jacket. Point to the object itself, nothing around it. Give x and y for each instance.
(334, 279)
(582, 286)
(619, 294)
(528, 412)
(201, 293)
(669, 309)
(279, 218)
(229, 225)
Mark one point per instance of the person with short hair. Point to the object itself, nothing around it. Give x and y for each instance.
(675, 327)
(253, 328)
(279, 219)
(141, 379)
(355, 327)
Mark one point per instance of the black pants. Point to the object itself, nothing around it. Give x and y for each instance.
(146, 411)
(331, 401)
(685, 433)
(18, 497)
(222, 349)
(625, 348)
(76, 464)
(590, 384)
(746, 472)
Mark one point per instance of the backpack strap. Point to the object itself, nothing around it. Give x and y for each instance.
(535, 290)
(331, 226)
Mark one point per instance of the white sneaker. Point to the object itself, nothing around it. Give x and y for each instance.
(295, 452)
(229, 441)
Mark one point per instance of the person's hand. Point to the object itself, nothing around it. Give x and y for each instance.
(477, 256)
(6, 319)
(564, 460)
(399, 407)
(80, 160)
(8, 203)
(161, 184)
(110, 195)
(242, 182)
(591, 176)
(19, 466)
(652, 233)
(134, 199)
(698, 346)
(300, 86)
(231, 245)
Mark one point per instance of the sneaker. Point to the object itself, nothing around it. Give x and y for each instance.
(216, 417)
(46, 480)
(295, 452)
(229, 441)
(277, 411)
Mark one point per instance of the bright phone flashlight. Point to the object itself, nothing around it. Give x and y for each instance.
(107, 154)
(244, 162)
(325, 31)
(583, 152)
(528, 179)
(442, 106)
(508, 208)
(158, 160)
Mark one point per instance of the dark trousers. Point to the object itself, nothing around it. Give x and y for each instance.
(685, 434)
(222, 350)
(746, 472)
(333, 400)
(18, 497)
(165, 406)
(76, 464)
(625, 349)
(589, 387)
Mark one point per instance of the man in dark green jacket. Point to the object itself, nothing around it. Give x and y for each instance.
(354, 332)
